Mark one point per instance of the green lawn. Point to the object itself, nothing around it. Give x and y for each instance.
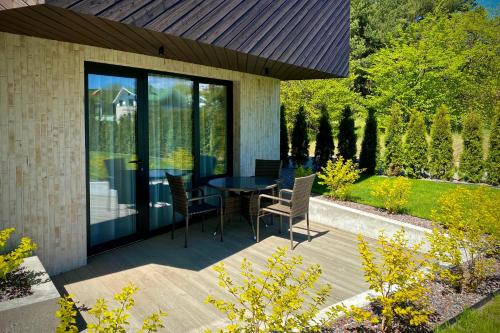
(423, 198)
(482, 320)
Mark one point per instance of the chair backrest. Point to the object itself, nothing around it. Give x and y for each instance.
(179, 196)
(300, 196)
(268, 168)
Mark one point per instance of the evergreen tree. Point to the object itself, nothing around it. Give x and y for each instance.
(300, 141)
(369, 146)
(393, 157)
(415, 146)
(493, 163)
(324, 140)
(441, 147)
(284, 148)
(471, 161)
(347, 135)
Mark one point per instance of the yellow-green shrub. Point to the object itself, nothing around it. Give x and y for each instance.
(398, 277)
(466, 230)
(107, 320)
(394, 193)
(12, 260)
(338, 177)
(273, 300)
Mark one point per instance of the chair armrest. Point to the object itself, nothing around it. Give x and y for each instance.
(272, 198)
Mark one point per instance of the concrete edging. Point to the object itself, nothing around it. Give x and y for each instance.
(36, 312)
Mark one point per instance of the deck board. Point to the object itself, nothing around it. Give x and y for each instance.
(178, 280)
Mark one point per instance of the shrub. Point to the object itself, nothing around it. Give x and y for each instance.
(398, 277)
(416, 146)
(471, 161)
(277, 299)
(394, 193)
(441, 147)
(324, 141)
(284, 148)
(347, 136)
(302, 172)
(338, 177)
(300, 141)
(111, 321)
(369, 146)
(465, 233)
(393, 157)
(493, 162)
(12, 260)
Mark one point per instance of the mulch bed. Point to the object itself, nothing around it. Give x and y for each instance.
(445, 302)
(16, 285)
(378, 211)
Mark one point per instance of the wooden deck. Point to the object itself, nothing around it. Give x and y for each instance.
(178, 280)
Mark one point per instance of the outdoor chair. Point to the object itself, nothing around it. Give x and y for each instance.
(191, 207)
(297, 206)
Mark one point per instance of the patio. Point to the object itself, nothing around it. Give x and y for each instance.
(178, 280)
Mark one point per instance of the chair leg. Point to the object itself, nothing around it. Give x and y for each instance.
(308, 231)
(186, 232)
(291, 233)
(258, 229)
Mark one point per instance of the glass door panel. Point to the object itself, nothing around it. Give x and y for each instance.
(170, 127)
(213, 129)
(112, 116)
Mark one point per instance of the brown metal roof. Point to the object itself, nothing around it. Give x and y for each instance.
(286, 39)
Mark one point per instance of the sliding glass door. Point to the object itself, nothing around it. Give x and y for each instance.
(140, 126)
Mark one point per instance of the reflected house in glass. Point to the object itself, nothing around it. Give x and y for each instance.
(100, 99)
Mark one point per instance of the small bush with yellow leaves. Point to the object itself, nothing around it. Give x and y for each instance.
(398, 277)
(12, 260)
(107, 320)
(394, 193)
(465, 235)
(273, 300)
(338, 177)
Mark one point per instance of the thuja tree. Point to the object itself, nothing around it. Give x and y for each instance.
(441, 147)
(393, 157)
(284, 148)
(347, 135)
(300, 141)
(415, 159)
(471, 161)
(324, 140)
(493, 162)
(369, 146)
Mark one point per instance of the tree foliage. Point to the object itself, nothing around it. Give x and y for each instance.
(493, 162)
(346, 140)
(281, 298)
(441, 59)
(300, 139)
(416, 146)
(394, 154)
(471, 161)
(441, 146)
(369, 145)
(284, 146)
(324, 141)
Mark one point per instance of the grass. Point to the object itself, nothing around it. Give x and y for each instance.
(423, 197)
(483, 320)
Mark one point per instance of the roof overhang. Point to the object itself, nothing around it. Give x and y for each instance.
(292, 39)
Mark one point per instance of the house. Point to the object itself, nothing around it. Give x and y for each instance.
(195, 85)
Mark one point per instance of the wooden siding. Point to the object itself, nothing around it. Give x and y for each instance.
(178, 280)
(42, 166)
(285, 39)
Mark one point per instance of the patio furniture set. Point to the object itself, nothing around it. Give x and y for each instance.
(251, 197)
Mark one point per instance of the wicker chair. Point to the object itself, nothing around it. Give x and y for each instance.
(298, 205)
(184, 206)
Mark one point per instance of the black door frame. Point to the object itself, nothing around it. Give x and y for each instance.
(142, 144)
